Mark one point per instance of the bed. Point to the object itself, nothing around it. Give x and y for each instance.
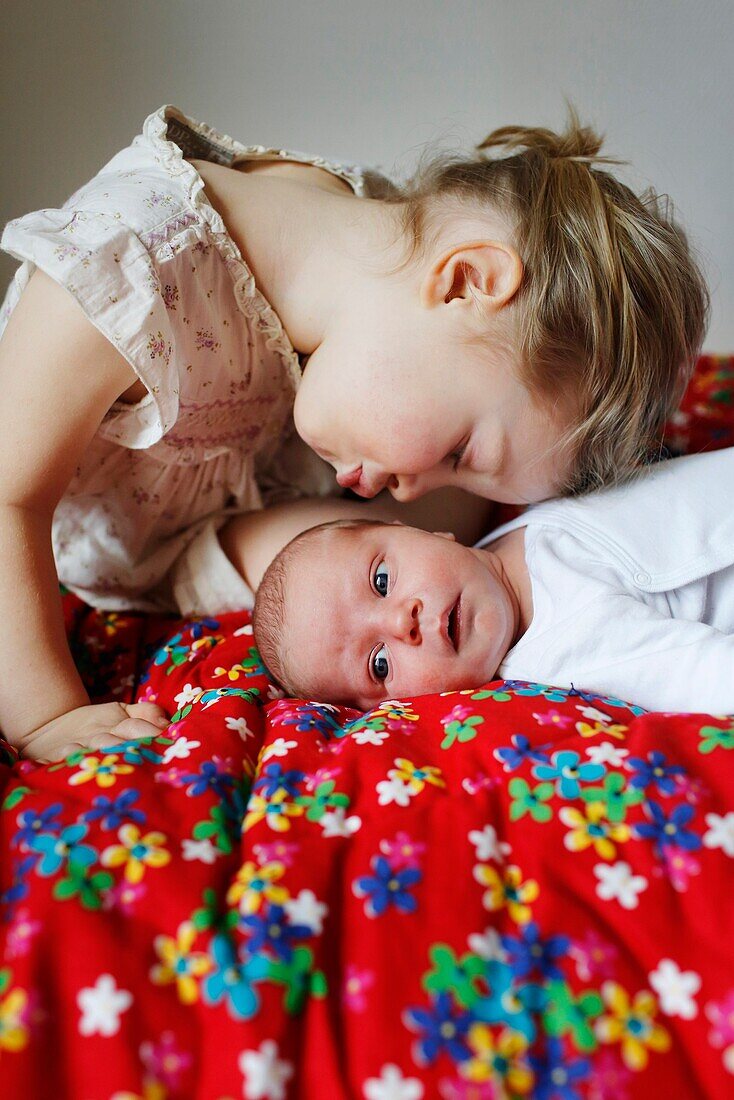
(513, 891)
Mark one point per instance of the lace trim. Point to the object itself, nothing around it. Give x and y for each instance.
(249, 299)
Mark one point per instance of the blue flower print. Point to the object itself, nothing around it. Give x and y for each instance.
(274, 779)
(136, 753)
(33, 822)
(111, 812)
(19, 888)
(198, 627)
(522, 687)
(507, 1003)
(387, 887)
(232, 980)
(57, 850)
(313, 718)
(512, 758)
(209, 777)
(665, 831)
(567, 771)
(557, 1073)
(530, 952)
(655, 771)
(271, 929)
(441, 1029)
(605, 701)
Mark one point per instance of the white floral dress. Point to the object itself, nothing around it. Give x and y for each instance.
(153, 267)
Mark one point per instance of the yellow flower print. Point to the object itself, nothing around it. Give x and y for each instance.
(13, 1032)
(593, 729)
(506, 888)
(104, 771)
(152, 1090)
(499, 1060)
(276, 811)
(136, 852)
(255, 884)
(632, 1024)
(179, 963)
(395, 712)
(232, 673)
(416, 778)
(590, 828)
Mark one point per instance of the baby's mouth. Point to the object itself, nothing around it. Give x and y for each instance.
(453, 626)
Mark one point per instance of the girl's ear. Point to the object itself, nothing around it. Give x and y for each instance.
(486, 272)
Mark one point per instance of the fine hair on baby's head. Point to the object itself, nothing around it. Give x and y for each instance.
(270, 613)
(612, 306)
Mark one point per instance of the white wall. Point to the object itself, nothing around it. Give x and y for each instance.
(373, 81)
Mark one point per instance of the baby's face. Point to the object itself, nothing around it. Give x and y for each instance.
(382, 612)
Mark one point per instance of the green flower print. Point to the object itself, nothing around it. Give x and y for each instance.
(565, 1014)
(714, 738)
(615, 796)
(461, 730)
(527, 800)
(321, 800)
(451, 974)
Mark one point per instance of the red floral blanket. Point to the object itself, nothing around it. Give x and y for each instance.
(516, 891)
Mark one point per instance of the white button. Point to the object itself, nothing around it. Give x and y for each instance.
(642, 578)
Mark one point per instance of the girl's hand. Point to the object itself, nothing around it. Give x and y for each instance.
(100, 726)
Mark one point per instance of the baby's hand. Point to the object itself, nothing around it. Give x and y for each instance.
(100, 726)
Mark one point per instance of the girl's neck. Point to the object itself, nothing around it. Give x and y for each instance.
(310, 249)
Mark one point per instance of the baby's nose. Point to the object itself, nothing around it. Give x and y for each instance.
(406, 622)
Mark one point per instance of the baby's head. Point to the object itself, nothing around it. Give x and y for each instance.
(529, 333)
(359, 612)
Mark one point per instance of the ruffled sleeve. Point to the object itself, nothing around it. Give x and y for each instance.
(103, 264)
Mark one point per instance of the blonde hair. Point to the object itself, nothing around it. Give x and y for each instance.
(612, 307)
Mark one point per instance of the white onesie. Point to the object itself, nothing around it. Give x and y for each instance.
(633, 589)
(153, 267)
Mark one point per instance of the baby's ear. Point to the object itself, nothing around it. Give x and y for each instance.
(446, 535)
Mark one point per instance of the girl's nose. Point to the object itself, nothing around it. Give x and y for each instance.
(407, 487)
(405, 621)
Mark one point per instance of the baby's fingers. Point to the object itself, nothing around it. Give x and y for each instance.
(130, 729)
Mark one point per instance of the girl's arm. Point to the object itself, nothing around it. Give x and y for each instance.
(58, 377)
(252, 539)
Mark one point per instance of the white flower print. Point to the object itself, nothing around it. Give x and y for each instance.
(188, 694)
(607, 753)
(720, 833)
(391, 1085)
(488, 845)
(393, 790)
(370, 737)
(239, 726)
(676, 989)
(203, 850)
(278, 747)
(593, 715)
(180, 749)
(617, 883)
(242, 630)
(487, 945)
(101, 1006)
(307, 909)
(265, 1075)
(336, 823)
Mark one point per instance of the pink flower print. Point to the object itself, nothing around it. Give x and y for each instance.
(481, 782)
(555, 718)
(158, 347)
(594, 957)
(610, 1077)
(458, 714)
(170, 296)
(356, 984)
(276, 851)
(164, 1060)
(680, 866)
(172, 777)
(457, 1089)
(205, 340)
(403, 851)
(124, 896)
(692, 789)
(157, 198)
(721, 1015)
(321, 775)
(21, 933)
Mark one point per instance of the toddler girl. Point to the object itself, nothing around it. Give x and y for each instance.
(516, 323)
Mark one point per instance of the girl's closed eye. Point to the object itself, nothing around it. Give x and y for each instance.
(457, 454)
(379, 664)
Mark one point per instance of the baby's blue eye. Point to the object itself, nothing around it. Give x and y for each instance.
(380, 667)
(381, 579)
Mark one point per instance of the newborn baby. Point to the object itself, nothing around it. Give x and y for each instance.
(627, 592)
